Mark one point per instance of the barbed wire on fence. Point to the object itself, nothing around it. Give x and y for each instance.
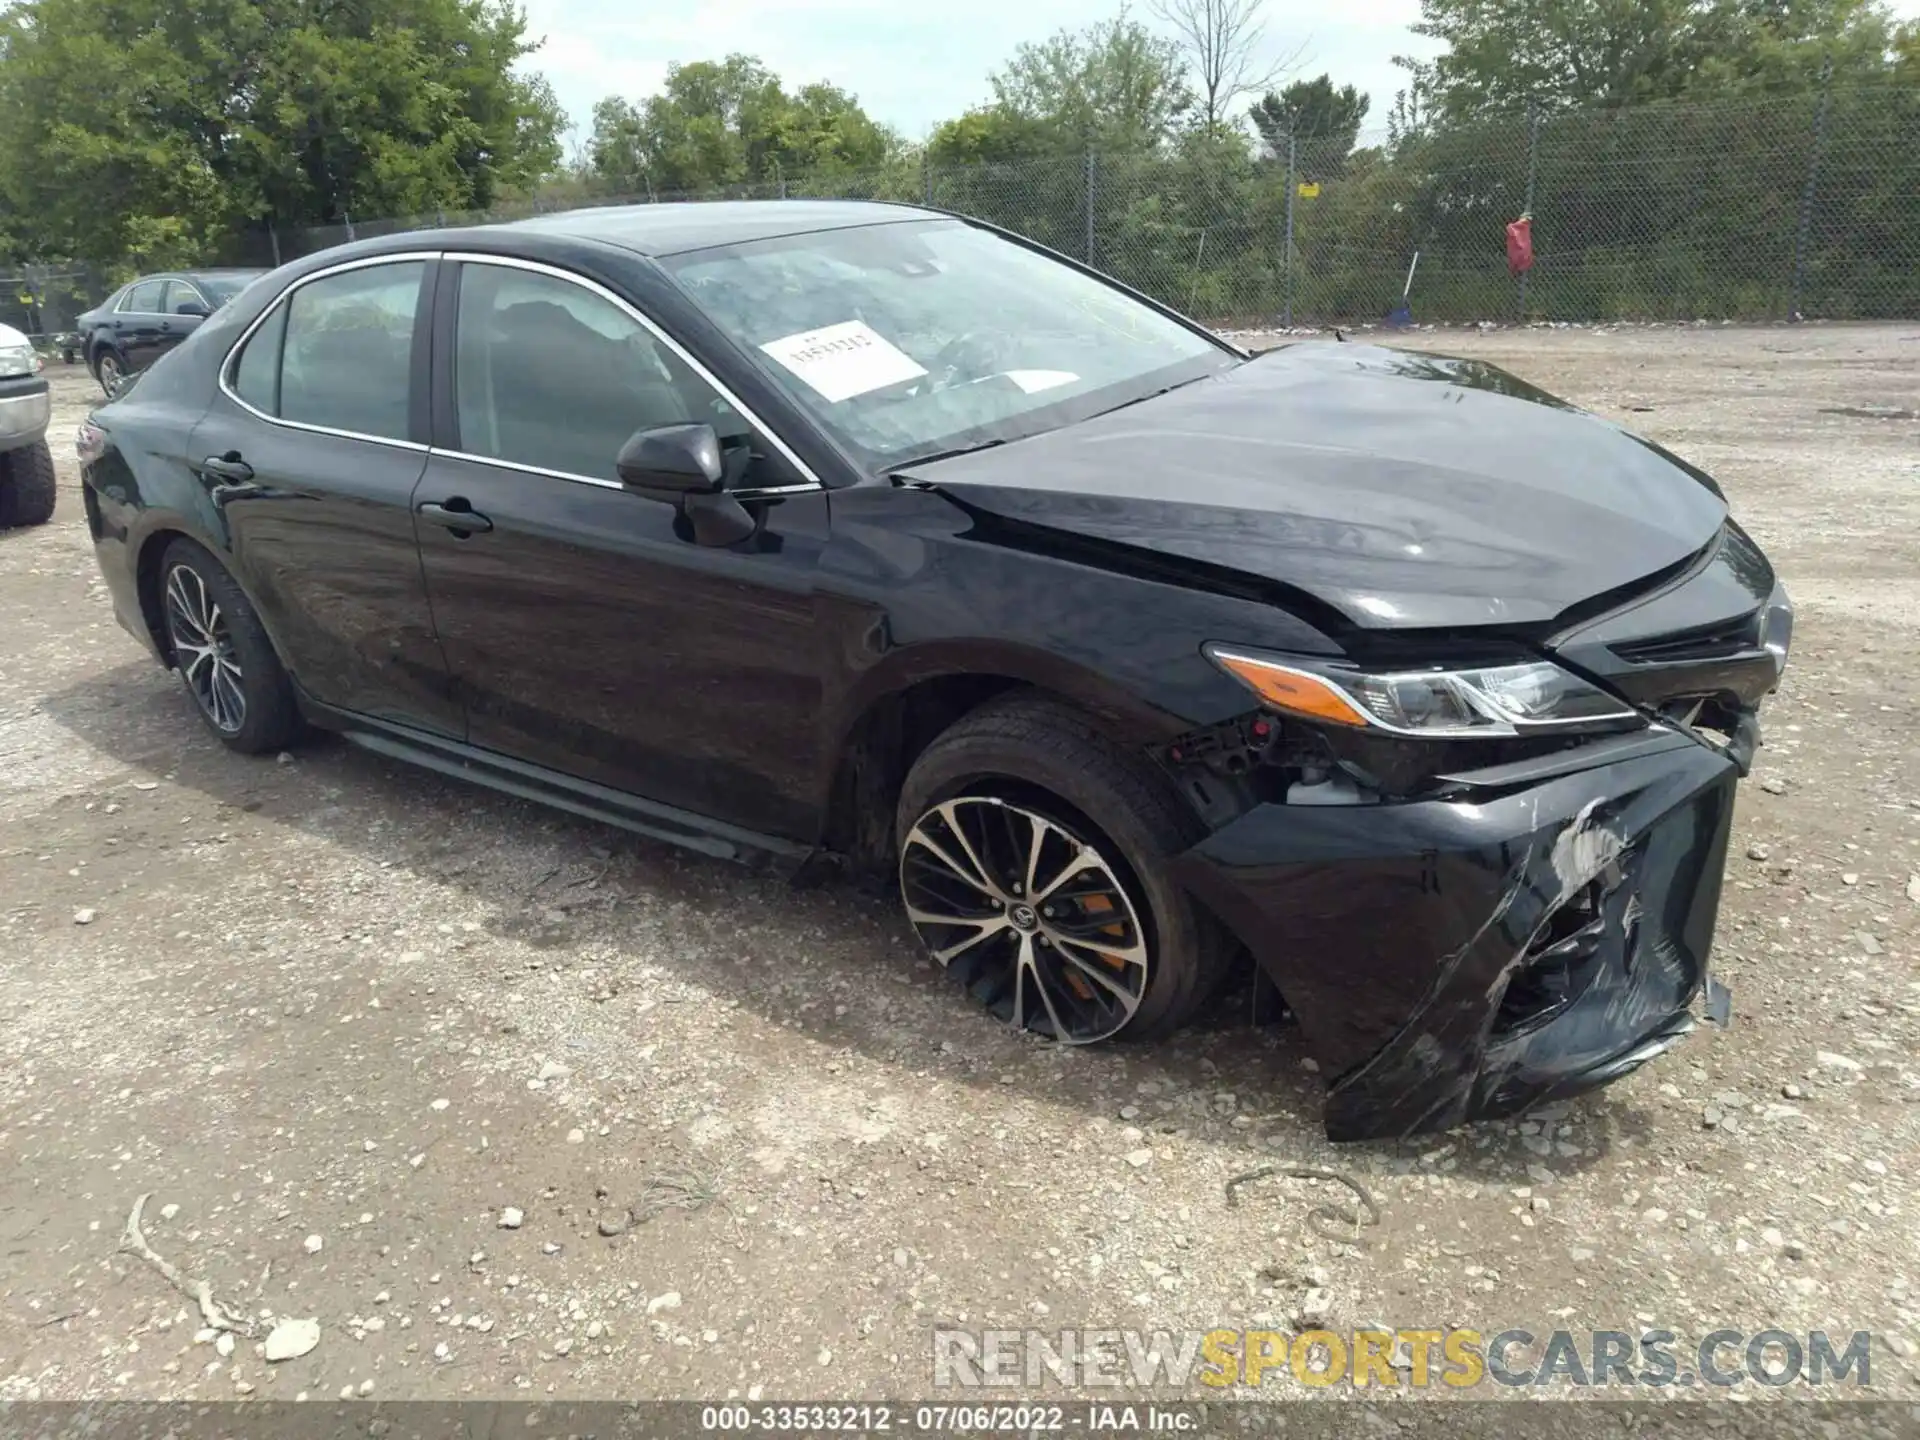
(1749, 208)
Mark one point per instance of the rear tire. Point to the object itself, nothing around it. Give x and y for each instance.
(222, 652)
(26, 486)
(1032, 854)
(109, 369)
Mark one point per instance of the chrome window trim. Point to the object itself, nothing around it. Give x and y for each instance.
(231, 360)
(285, 297)
(813, 481)
(743, 493)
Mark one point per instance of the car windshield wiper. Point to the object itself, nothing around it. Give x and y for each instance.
(943, 455)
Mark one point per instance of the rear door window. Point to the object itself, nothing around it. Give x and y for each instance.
(347, 352)
(144, 298)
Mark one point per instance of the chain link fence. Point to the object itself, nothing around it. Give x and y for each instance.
(44, 301)
(1755, 208)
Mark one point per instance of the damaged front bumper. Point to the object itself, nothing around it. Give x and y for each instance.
(1541, 931)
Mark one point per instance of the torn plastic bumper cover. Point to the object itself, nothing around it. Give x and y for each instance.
(1519, 941)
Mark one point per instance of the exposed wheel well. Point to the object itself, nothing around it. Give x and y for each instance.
(147, 582)
(883, 745)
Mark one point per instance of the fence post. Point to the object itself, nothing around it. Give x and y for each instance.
(926, 180)
(1806, 194)
(1089, 189)
(1293, 188)
(273, 237)
(347, 216)
(1533, 164)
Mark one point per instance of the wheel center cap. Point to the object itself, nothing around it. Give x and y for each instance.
(1023, 917)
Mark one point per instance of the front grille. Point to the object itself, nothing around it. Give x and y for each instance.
(1709, 642)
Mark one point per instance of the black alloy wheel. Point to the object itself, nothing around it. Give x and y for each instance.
(204, 650)
(222, 652)
(1033, 859)
(1033, 921)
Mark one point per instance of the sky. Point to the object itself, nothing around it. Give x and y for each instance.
(912, 64)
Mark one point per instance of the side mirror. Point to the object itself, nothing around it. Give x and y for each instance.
(192, 309)
(682, 464)
(678, 459)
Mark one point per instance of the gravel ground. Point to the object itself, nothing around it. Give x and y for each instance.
(398, 1055)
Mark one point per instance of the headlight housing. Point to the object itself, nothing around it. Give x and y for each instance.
(18, 360)
(1483, 701)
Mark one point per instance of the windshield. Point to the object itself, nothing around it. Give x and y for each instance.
(910, 340)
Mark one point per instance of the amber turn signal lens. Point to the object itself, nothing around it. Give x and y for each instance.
(1294, 691)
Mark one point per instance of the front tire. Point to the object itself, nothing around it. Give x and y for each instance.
(222, 652)
(1032, 860)
(26, 486)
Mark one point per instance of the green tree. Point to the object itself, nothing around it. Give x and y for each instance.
(1615, 53)
(991, 135)
(1112, 86)
(142, 131)
(1311, 110)
(1906, 50)
(730, 122)
(822, 130)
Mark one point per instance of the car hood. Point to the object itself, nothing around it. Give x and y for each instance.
(1403, 490)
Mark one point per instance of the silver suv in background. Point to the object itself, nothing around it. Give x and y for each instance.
(26, 465)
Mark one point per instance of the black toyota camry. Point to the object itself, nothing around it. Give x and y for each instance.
(798, 530)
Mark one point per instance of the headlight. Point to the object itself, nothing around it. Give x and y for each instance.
(17, 360)
(89, 442)
(1486, 701)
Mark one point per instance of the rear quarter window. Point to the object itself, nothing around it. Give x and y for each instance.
(256, 374)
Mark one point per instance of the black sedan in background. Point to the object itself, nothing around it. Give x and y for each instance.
(794, 530)
(145, 318)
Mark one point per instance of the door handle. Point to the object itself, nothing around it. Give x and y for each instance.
(228, 467)
(455, 515)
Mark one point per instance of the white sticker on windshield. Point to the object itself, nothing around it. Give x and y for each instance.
(844, 360)
(1034, 381)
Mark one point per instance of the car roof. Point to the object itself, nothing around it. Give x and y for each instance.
(669, 229)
